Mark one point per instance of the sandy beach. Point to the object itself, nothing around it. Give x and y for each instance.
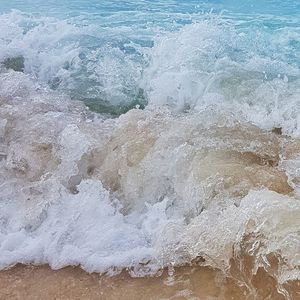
(29, 282)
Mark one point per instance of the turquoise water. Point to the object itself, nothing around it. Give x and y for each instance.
(102, 8)
(101, 51)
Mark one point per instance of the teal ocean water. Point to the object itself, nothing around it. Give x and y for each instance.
(146, 134)
(103, 52)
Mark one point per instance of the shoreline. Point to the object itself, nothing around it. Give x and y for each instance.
(41, 282)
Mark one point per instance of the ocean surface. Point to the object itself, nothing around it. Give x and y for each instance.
(143, 135)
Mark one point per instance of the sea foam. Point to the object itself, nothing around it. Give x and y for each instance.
(207, 173)
(149, 190)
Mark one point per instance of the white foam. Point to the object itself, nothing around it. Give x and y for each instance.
(148, 190)
(198, 173)
(74, 58)
(207, 64)
(212, 62)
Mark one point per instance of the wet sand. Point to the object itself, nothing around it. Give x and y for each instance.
(29, 282)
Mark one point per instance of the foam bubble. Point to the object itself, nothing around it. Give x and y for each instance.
(207, 64)
(145, 191)
(207, 173)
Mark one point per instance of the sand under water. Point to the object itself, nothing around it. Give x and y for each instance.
(154, 142)
(29, 282)
(210, 199)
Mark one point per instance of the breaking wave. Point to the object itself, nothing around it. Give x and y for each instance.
(206, 173)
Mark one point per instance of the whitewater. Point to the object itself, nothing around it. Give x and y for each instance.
(150, 135)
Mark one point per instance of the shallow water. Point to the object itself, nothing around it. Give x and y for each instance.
(182, 283)
(189, 151)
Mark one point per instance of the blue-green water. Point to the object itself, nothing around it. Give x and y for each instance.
(104, 7)
(101, 51)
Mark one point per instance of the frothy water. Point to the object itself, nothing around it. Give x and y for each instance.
(201, 163)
